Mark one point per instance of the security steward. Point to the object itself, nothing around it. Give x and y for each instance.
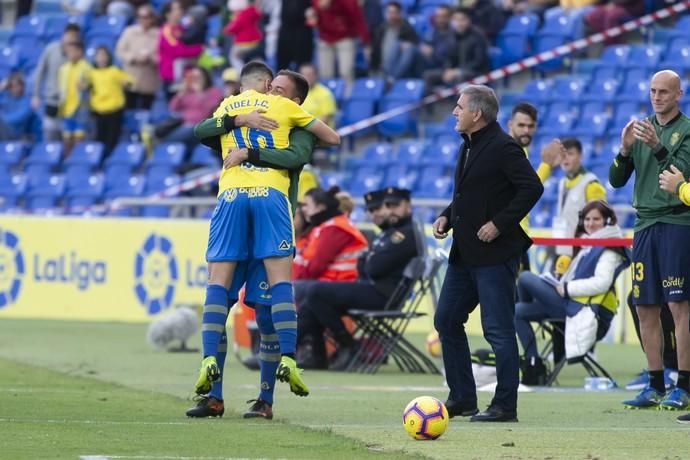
(380, 269)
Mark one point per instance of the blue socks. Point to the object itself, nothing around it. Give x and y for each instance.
(269, 352)
(284, 317)
(217, 387)
(213, 319)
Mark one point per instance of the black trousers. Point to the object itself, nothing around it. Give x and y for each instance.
(136, 101)
(320, 304)
(108, 129)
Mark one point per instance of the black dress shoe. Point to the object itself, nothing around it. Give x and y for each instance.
(495, 414)
(461, 408)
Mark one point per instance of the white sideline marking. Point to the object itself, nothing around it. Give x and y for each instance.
(104, 422)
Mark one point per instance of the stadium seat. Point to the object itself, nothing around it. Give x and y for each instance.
(601, 73)
(557, 125)
(108, 26)
(12, 189)
(127, 153)
(366, 180)
(337, 87)
(378, 154)
(545, 43)
(10, 58)
(411, 152)
(615, 56)
(567, 89)
(368, 89)
(402, 92)
(28, 26)
(602, 91)
(562, 25)
(83, 193)
(634, 91)
(44, 194)
(522, 23)
(89, 154)
(444, 155)
(48, 7)
(333, 179)
(595, 126)
(130, 186)
(537, 91)
(440, 187)
(11, 153)
(395, 171)
(356, 110)
(677, 58)
(204, 156)
(513, 46)
(168, 154)
(589, 109)
(44, 156)
(646, 57)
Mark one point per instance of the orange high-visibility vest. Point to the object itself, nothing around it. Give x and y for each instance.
(344, 266)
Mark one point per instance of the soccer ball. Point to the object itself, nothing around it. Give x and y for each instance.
(425, 418)
(433, 345)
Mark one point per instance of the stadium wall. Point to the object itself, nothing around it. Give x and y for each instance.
(133, 269)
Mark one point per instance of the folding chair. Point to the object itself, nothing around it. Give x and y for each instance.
(381, 333)
(588, 361)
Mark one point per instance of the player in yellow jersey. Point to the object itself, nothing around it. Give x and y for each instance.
(252, 221)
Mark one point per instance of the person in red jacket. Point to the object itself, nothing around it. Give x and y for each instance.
(246, 33)
(339, 23)
(331, 247)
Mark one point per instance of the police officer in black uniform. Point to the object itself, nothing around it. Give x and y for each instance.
(380, 269)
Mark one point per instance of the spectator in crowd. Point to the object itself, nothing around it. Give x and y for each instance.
(339, 23)
(346, 203)
(333, 243)
(73, 80)
(483, 262)
(373, 13)
(46, 89)
(194, 23)
(137, 49)
(231, 83)
(661, 238)
(393, 46)
(588, 281)
(245, 32)
(486, 16)
(15, 108)
(379, 270)
(320, 101)
(612, 13)
(467, 58)
(107, 98)
(438, 41)
(194, 102)
(576, 189)
(170, 47)
(124, 8)
(270, 9)
(295, 37)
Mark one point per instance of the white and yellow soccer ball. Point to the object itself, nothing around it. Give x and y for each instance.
(433, 344)
(425, 418)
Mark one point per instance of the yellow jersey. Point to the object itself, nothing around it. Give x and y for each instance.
(107, 92)
(70, 76)
(285, 112)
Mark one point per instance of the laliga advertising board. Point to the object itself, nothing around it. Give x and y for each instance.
(99, 269)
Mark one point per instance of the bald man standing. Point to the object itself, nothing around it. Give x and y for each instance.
(661, 241)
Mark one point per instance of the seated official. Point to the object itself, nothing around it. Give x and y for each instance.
(322, 304)
(588, 281)
(329, 251)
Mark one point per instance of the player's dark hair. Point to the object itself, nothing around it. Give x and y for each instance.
(607, 213)
(256, 69)
(572, 143)
(301, 84)
(328, 198)
(526, 108)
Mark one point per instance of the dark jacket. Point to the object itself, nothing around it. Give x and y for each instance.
(497, 184)
(469, 53)
(383, 264)
(406, 34)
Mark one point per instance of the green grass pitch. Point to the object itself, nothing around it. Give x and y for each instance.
(71, 390)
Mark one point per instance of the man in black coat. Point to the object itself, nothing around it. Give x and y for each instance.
(495, 187)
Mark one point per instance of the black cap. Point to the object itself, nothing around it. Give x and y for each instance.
(395, 195)
(374, 199)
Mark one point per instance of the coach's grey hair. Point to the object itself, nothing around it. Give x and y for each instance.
(482, 98)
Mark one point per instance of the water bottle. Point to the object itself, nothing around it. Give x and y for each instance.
(599, 384)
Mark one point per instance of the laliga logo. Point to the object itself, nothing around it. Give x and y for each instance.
(155, 273)
(11, 268)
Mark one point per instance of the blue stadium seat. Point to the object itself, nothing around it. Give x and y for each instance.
(602, 91)
(376, 155)
(370, 89)
(89, 153)
(601, 73)
(356, 110)
(365, 180)
(168, 154)
(545, 43)
(28, 53)
(420, 24)
(495, 57)
(677, 57)
(48, 7)
(214, 27)
(567, 89)
(10, 58)
(682, 24)
(431, 172)
(537, 91)
(440, 187)
(615, 56)
(45, 155)
(589, 109)
(595, 126)
(28, 26)
(395, 171)
(332, 179)
(12, 188)
(513, 46)
(404, 91)
(563, 25)
(127, 153)
(634, 91)
(204, 156)
(644, 56)
(337, 87)
(411, 152)
(83, 193)
(119, 186)
(46, 193)
(522, 23)
(558, 125)
(109, 26)
(444, 155)
(636, 74)
(12, 152)
(157, 183)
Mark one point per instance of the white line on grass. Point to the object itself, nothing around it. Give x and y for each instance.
(104, 422)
